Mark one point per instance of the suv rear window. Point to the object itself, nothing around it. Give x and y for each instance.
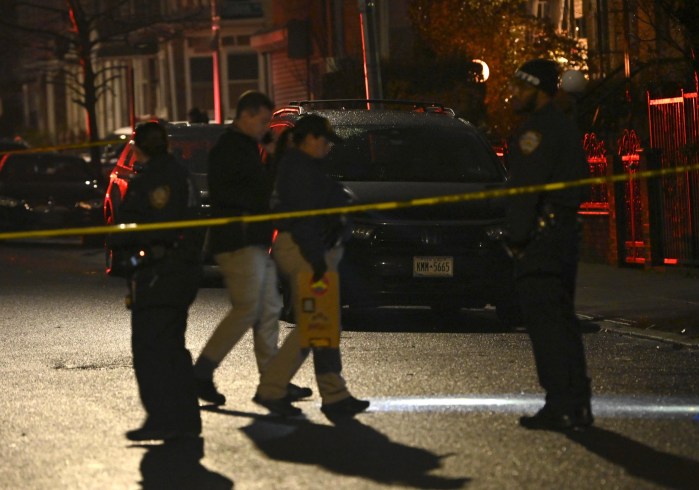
(191, 148)
(412, 154)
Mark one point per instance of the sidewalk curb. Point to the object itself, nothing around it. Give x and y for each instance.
(626, 327)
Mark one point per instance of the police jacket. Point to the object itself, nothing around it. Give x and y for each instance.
(303, 184)
(161, 191)
(546, 148)
(239, 184)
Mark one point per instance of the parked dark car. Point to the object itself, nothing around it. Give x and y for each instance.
(190, 144)
(7, 145)
(48, 190)
(439, 255)
(113, 148)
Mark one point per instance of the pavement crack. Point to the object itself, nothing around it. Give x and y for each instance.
(69, 366)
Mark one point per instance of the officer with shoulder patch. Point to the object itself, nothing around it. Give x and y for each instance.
(543, 235)
(164, 268)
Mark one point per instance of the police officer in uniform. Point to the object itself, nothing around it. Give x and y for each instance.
(543, 236)
(164, 269)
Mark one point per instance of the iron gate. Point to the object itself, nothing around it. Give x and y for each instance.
(598, 198)
(631, 239)
(674, 134)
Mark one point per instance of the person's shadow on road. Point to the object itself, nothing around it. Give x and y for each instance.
(349, 448)
(667, 470)
(176, 464)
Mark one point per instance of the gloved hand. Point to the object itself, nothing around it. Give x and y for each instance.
(319, 270)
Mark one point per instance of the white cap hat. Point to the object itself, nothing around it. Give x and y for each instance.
(573, 81)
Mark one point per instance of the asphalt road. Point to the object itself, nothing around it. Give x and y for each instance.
(446, 393)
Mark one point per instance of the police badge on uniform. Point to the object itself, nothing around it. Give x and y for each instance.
(159, 197)
(529, 142)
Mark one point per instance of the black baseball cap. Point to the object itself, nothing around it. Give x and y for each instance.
(541, 73)
(317, 126)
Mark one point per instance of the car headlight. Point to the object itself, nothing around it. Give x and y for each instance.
(496, 233)
(90, 205)
(363, 232)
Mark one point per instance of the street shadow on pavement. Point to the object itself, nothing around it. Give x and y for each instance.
(421, 320)
(176, 464)
(639, 460)
(426, 320)
(350, 448)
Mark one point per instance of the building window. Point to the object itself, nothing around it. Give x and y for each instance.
(201, 74)
(580, 28)
(240, 9)
(243, 74)
(149, 87)
(542, 9)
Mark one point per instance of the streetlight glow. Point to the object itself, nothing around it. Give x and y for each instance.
(485, 71)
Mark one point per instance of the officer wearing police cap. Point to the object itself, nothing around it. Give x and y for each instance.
(164, 268)
(543, 238)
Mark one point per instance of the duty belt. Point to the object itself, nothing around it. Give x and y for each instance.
(550, 215)
(152, 254)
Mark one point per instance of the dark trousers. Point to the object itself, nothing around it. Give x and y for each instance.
(556, 341)
(162, 364)
(545, 284)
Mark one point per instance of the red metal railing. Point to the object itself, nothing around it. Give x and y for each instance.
(674, 133)
(629, 152)
(598, 198)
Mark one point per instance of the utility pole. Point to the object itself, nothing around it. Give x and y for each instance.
(372, 68)
(216, 57)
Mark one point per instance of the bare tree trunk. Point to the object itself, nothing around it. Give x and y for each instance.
(91, 112)
(84, 52)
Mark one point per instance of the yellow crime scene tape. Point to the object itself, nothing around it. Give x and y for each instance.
(380, 206)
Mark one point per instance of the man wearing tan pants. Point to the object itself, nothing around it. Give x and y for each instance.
(239, 184)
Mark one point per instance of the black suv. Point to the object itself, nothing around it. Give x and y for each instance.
(48, 190)
(190, 144)
(439, 255)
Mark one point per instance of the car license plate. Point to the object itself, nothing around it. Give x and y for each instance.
(433, 266)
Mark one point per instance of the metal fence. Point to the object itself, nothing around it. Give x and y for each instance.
(674, 141)
(631, 239)
(598, 197)
(655, 220)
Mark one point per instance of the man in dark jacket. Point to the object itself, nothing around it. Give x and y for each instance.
(164, 270)
(239, 185)
(543, 235)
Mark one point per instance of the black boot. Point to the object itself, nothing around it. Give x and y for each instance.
(558, 420)
(278, 406)
(295, 392)
(347, 407)
(206, 390)
(204, 378)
